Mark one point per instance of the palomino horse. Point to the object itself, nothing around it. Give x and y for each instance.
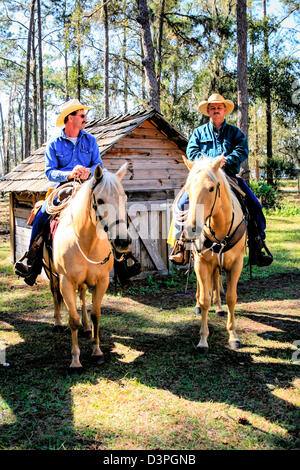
(83, 255)
(215, 225)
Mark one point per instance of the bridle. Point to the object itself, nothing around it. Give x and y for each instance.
(230, 239)
(107, 228)
(93, 203)
(208, 218)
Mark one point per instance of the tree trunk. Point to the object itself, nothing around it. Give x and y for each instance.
(106, 61)
(143, 71)
(41, 81)
(27, 80)
(3, 141)
(159, 42)
(35, 92)
(66, 44)
(148, 62)
(268, 99)
(78, 72)
(21, 128)
(125, 69)
(242, 83)
(9, 133)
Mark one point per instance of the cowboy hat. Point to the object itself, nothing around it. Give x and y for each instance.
(68, 108)
(215, 98)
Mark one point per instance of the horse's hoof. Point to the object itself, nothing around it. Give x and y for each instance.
(98, 360)
(221, 313)
(202, 350)
(198, 311)
(235, 344)
(75, 371)
(58, 328)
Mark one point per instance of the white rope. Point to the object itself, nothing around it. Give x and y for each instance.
(51, 208)
(180, 217)
(90, 260)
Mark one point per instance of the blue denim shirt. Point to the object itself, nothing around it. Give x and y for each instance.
(62, 155)
(206, 142)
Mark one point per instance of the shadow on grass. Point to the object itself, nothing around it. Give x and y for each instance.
(36, 387)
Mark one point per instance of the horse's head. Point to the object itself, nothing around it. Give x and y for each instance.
(108, 200)
(203, 186)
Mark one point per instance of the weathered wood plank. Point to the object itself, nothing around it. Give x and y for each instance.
(146, 184)
(148, 243)
(24, 213)
(131, 142)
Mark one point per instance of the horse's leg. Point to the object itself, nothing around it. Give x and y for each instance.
(216, 293)
(69, 296)
(204, 279)
(98, 294)
(231, 297)
(85, 319)
(197, 308)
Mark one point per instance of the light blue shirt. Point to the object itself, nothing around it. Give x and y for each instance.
(62, 155)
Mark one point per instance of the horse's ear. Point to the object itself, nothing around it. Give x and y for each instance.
(121, 171)
(215, 165)
(188, 163)
(98, 172)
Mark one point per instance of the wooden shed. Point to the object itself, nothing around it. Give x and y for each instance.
(154, 148)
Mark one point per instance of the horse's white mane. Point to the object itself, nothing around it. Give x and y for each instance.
(109, 183)
(80, 204)
(204, 164)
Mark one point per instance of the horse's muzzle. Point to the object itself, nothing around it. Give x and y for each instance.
(122, 244)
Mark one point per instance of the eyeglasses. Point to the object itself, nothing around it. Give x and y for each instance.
(81, 115)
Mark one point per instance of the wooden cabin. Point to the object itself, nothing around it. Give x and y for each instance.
(154, 148)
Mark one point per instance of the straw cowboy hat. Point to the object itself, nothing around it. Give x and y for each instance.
(215, 98)
(68, 108)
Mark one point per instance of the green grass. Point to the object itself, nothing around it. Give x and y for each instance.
(154, 391)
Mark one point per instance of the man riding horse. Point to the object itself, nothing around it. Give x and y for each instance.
(213, 139)
(73, 155)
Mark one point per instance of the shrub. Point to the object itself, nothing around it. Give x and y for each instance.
(266, 193)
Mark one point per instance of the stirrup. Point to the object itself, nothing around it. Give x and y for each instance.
(21, 269)
(256, 255)
(261, 258)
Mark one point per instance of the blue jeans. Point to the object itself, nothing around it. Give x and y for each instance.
(40, 220)
(252, 203)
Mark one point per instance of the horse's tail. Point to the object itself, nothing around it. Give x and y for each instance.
(54, 285)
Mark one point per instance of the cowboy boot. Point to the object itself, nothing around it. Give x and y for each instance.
(257, 256)
(31, 268)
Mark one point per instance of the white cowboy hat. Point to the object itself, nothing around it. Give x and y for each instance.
(215, 98)
(68, 108)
